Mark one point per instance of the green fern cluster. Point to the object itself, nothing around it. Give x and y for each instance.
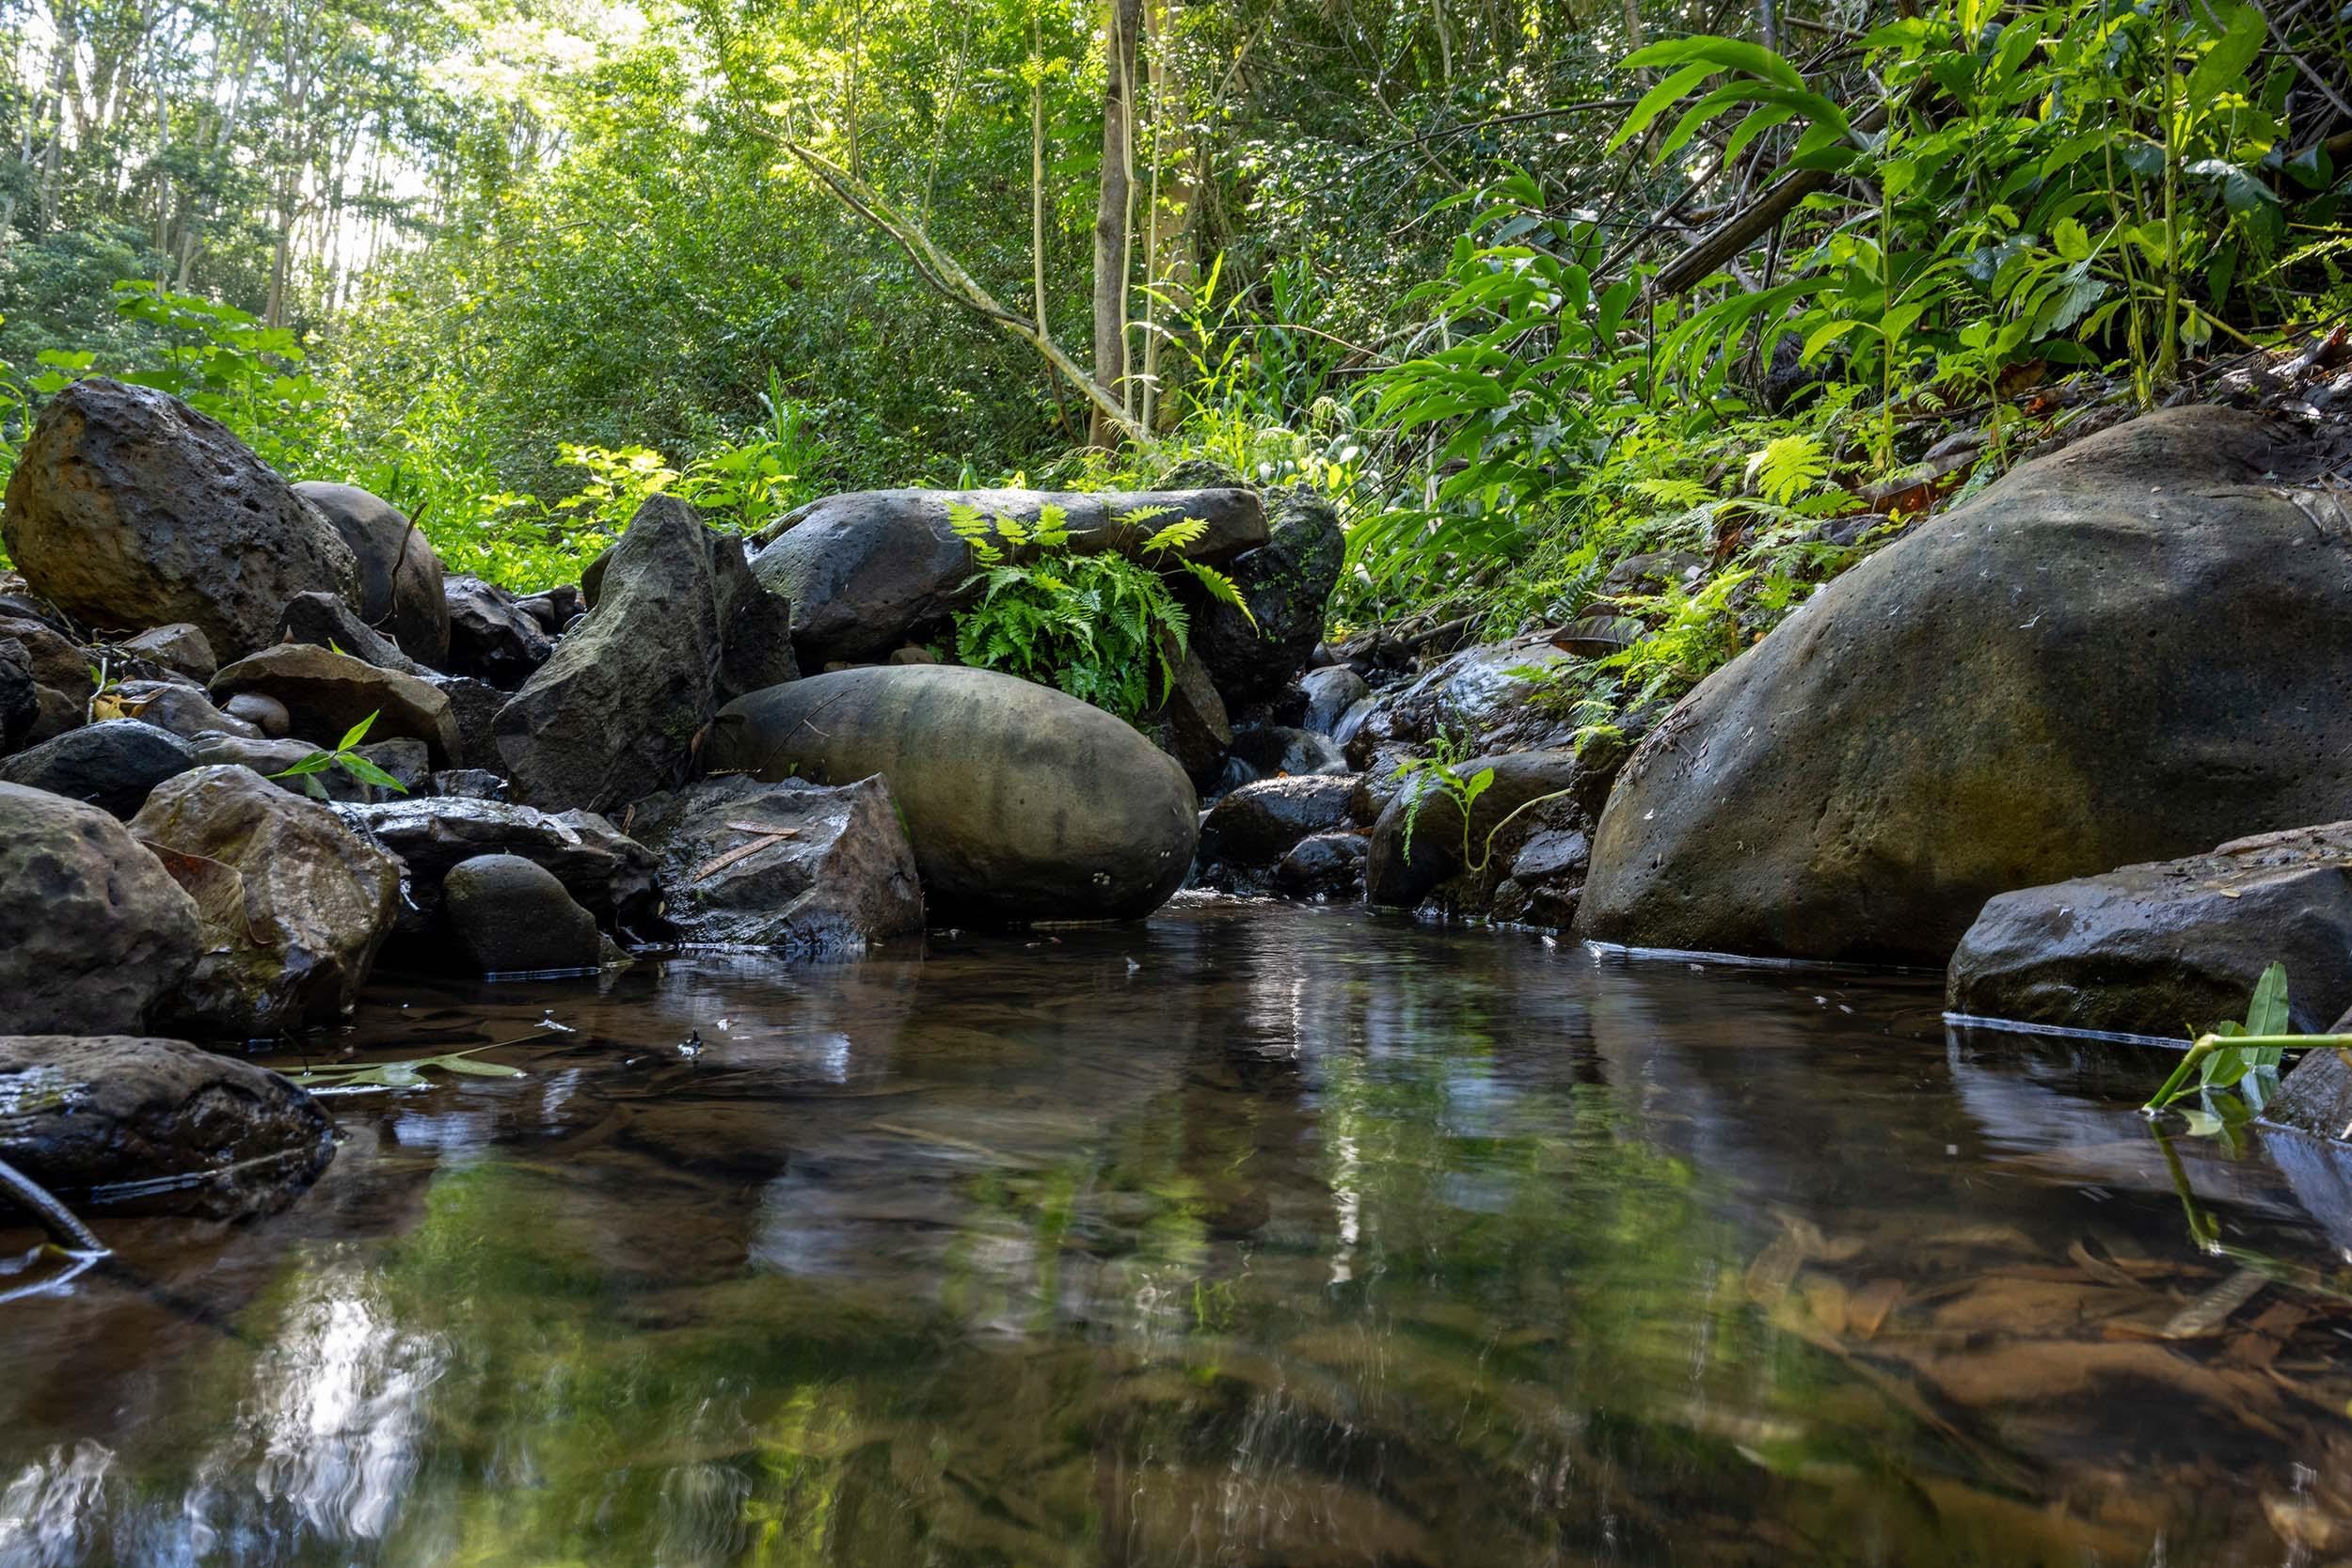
(1095, 626)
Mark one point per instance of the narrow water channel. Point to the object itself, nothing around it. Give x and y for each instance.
(1251, 1235)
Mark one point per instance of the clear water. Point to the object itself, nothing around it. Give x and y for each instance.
(1254, 1236)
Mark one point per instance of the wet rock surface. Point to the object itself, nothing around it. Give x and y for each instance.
(1329, 867)
(325, 621)
(181, 647)
(129, 509)
(1463, 872)
(1022, 803)
(1251, 829)
(788, 865)
(111, 764)
(1285, 582)
(2125, 651)
(490, 639)
(873, 571)
(294, 904)
(93, 931)
(608, 874)
(616, 714)
(326, 693)
(1476, 698)
(119, 1123)
(1331, 692)
(2159, 948)
(400, 575)
(511, 916)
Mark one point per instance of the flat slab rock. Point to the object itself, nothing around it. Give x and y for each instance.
(121, 1123)
(609, 874)
(791, 865)
(2170, 945)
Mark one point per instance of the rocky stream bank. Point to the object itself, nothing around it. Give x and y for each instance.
(2122, 654)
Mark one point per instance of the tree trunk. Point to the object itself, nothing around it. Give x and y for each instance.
(1114, 212)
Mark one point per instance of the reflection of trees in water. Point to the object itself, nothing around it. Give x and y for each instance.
(1277, 1250)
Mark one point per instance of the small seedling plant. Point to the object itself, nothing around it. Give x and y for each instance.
(2232, 1068)
(346, 757)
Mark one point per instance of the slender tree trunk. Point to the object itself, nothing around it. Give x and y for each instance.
(1168, 263)
(1114, 212)
(1036, 198)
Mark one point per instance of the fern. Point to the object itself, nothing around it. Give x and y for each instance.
(1788, 466)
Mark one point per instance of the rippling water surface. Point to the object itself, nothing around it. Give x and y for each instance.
(1252, 1235)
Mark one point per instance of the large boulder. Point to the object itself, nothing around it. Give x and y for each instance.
(491, 638)
(868, 573)
(93, 931)
(2124, 652)
(400, 575)
(2170, 946)
(513, 916)
(116, 1123)
(609, 875)
(111, 764)
(1022, 803)
(130, 509)
(1285, 582)
(326, 693)
(790, 864)
(294, 904)
(614, 716)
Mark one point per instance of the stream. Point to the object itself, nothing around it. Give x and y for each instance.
(1251, 1235)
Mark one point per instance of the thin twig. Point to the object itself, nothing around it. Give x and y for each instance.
(42, 1205)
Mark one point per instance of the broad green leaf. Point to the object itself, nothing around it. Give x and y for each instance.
(2223, 68)
(2268, 1013)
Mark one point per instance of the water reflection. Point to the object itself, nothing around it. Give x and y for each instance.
(1246, 1237)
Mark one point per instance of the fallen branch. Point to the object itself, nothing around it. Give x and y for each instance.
(945, 277)
(58, 1220)
(1719, 245)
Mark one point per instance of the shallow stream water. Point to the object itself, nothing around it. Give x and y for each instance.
(1252, 1235)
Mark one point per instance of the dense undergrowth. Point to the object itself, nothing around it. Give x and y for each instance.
(2014, 219)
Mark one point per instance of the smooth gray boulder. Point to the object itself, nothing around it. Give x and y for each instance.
(93, 931)
(512, 916)
(866, 573)
(400, 575)
(119, 1124)
(791, 865)
(2170, 946)
(616, 714)
(326, 693)
(2124, 652)
(294, 904)
(111, 764)
(1022, 803)
(129, 509)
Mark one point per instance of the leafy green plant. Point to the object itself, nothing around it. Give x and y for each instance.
(342, 755)
(1095, 625)
(352, 1078)
(1437, 776)
(2234, 1068)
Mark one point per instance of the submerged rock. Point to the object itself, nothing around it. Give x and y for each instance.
(871, 572)
(128, 508)
(116, 1123)
(93, 931)
(1022, 803)
(490, 638)
(111, 764)
(512, 916)
(2124, 652)
(295, 905)
(326, 693)
(788, 864)
(2170, 946)
(614, 716)
(609, 875)
(1286, 582)
(400, 575)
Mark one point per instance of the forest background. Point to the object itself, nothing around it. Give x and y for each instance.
(1531, 289)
